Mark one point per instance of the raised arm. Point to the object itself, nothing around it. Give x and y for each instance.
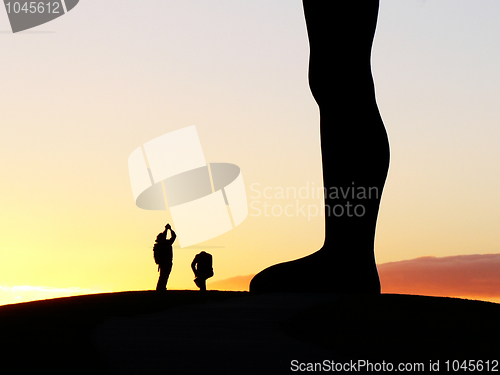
(172, 237)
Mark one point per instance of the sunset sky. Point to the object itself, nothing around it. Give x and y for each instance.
(82, 92)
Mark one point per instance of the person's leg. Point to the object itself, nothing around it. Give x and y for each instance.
(161, 284)
(201, 279)
(163, 278)
(203, 284)
(355, 154)
(197, 282)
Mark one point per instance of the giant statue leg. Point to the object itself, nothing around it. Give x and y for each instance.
(355, 154)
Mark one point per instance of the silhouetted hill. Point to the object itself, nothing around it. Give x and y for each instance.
(402, 327)
(54, 334)
(59, 335)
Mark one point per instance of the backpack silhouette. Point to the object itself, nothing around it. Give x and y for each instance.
(160, 254)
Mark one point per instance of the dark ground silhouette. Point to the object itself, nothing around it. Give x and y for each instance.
(88, 334)
(394, 327)
(355, 153)
(55, 335)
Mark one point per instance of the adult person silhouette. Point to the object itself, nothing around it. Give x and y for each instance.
(164, 256)
(202, 267)
(355, 153)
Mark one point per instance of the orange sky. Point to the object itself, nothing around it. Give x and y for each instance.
(466, 276)
(463, 276)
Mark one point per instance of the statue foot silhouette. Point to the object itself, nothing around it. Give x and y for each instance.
(325, 271)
